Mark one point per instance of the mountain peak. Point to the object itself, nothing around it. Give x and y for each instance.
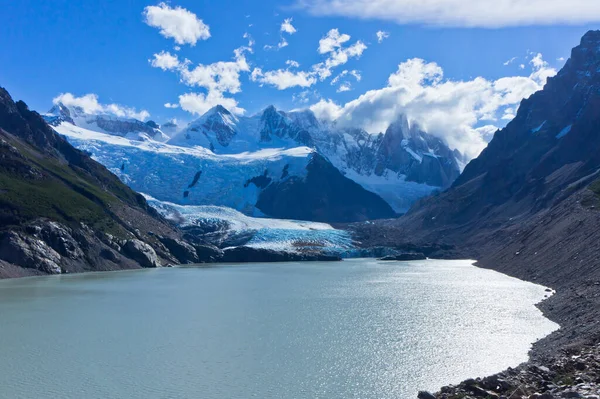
(270, 110)
(218, 109)
(592, 36)
(585, 58)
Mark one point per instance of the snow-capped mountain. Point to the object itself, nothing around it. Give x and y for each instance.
(292, 183)
(275, 163)
(105, 123)
(401, 165)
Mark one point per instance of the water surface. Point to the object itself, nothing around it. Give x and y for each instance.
(354, 329)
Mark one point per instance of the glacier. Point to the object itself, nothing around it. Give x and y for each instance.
(275, 234)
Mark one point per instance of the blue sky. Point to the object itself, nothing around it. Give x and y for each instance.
(58, 46)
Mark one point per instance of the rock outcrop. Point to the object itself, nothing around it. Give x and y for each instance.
(61, 211)
(574, 373)
(141, 252)
(249, 254)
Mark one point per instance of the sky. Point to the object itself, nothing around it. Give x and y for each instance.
(459, 68)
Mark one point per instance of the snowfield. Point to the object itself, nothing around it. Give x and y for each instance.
(189, 175)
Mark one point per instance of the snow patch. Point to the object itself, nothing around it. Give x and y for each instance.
(537, 129)
(564, 132)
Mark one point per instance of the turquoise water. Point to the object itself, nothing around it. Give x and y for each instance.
(353, 329)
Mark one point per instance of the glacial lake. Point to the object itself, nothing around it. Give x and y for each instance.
(354, 329)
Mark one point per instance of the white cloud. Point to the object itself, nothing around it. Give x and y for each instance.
(462, 13)
(508, 62)
(381, 36)
(561, 59)
(287, 26)
(282, 43)
(346, 86)
(217, 78)
(169, 105)
(165, 61)
(221, 76)
(449, 109)
(335, 80)
(251, 41)
(326, 110)
(89, 104)
(356, 75)
(332, 44)
(522, 66)
(332, 41)
(177, 23)
(200, 103)
(283, 79)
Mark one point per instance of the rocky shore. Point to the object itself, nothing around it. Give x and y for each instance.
(572, 373)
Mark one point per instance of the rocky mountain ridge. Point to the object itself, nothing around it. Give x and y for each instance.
(105, 123)
(528, 205)
(62, 212)
(401, 165)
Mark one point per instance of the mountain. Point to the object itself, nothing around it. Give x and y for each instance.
(401, 165)
(105, 123)
(61, 211)
(256, 183)
(528, 205)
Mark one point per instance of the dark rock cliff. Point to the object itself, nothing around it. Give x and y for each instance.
(528, 205)
(60, 211)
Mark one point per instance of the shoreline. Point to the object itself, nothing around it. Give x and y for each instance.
(563, 364)
(545, 352)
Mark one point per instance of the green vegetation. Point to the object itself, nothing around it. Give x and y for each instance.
(37, 186)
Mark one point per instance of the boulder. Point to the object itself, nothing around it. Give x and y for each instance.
(208, 253)
(425, 395)
(29, 252)
(184, 252)
(141, 252)
(60, 239)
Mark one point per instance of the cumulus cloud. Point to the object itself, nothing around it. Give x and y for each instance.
(326, 110)
(176, 23)
(461, 13)
(283, 79)
(165, 61)
(221, 76)
(381, 36)
(170, 105)
(333, 45)
(90, 105)
(332, 40)
(217, 79)
(287, 27)
(200, 103)
(346, 86)
(457, 111)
